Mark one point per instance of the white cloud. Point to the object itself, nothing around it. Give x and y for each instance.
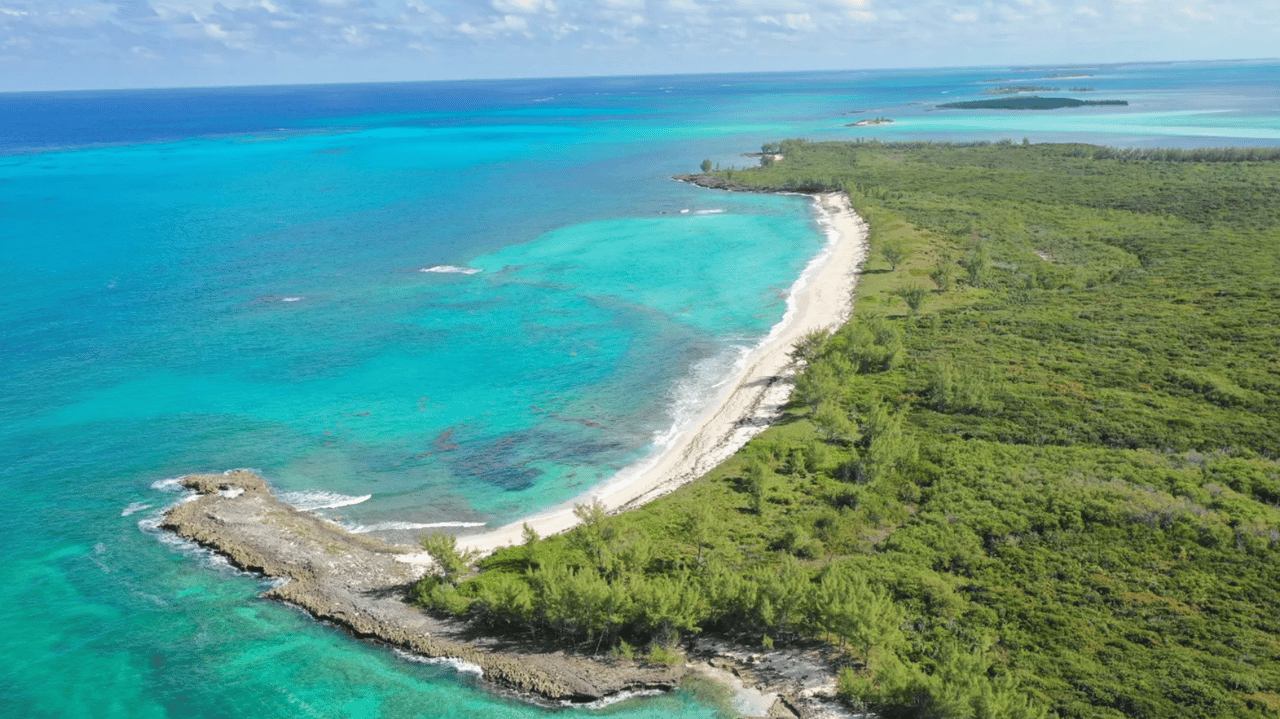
(524, 6)
(790, 21)
(499, 27)
(83, 37)
(1196, 14)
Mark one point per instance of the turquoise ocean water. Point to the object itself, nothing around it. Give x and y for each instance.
(407, 305)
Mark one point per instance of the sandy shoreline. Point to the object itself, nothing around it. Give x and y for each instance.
(820, 299)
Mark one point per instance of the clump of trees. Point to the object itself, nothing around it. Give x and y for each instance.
(1178, 154)
(439, 587)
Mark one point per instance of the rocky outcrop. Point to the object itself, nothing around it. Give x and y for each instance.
(356, 582)
(721, 182)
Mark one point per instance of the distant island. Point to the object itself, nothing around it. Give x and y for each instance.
(1014, 89)
(1035, 102)
(868, 123)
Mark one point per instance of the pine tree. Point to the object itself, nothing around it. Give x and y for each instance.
(444, 551)
(594, 537)
(888, 449)
(894, 253)
(913, 295)
(756, 480)
(943, 273)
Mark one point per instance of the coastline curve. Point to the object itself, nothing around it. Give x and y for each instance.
(361, 584)
(820, 299)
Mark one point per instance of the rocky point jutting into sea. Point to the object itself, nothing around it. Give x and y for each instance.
(359, 584)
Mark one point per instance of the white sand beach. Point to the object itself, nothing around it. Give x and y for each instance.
(820, 299)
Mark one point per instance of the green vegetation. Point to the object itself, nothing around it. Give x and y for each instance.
(1033, 102)
(893, 253)
(1015, 89)
(1049, 488)
(438, 589)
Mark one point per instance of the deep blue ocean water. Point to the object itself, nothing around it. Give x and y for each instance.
(203, 279)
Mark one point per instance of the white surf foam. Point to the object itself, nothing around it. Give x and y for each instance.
(699, 390)
(404, 526)
(699, 387)
(709, 212)
(172, 484)
(310, 501)
(460, 666)
(134, 507)
(274, 582)
(614, 699)
(451, 270)
(828, 225)
(151, 526)
(290, 299)
(691, 397)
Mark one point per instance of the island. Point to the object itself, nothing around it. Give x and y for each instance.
(872, 122)
(1034, 102)
(1015, 89)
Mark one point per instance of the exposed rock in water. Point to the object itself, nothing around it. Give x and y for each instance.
(356, 582)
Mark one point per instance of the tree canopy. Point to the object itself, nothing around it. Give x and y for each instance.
(1049, 488)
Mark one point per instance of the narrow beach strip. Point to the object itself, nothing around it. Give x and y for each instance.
(820, 299)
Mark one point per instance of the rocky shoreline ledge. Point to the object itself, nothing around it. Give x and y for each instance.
(717, 182)
(359, 583)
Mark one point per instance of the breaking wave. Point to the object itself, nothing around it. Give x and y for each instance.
(310, 501)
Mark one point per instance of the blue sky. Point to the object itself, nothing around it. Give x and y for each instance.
(70, 44)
